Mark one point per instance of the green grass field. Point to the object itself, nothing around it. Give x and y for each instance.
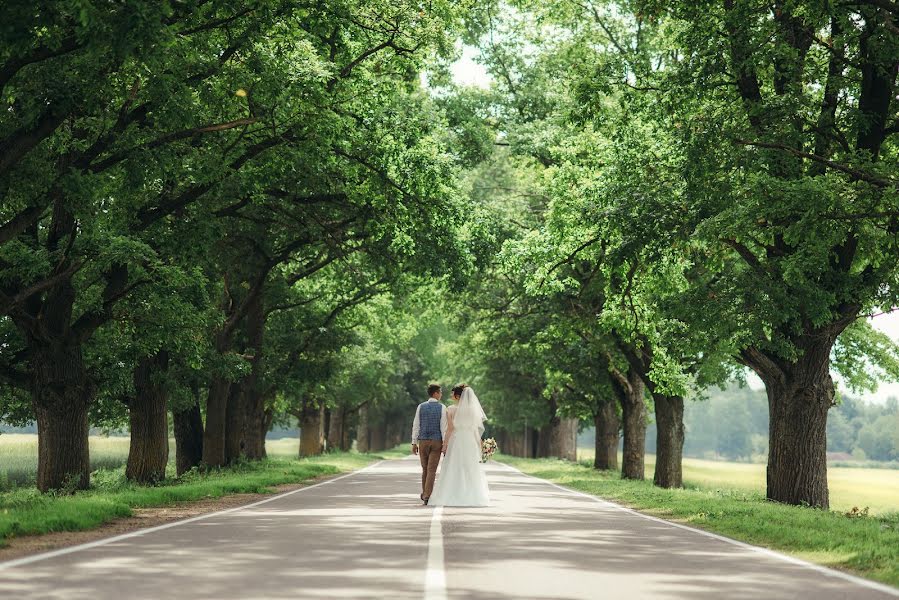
(18, 455)
(877, 489)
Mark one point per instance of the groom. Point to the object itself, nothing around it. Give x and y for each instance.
(428, 431)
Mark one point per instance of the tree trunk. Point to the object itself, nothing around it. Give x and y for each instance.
(607, 429)
(799, 396)
(235, 422)
(516, 444)
(148, 454)
(669, 441)
(335, 429)
(531, 442)
(61, 395)
(633, 410)
(363, 436)
(326, 429)
(216, 411)
(502, 441)
(188, 437)
(395, 433)
(311, 441)
(257, 425)
(378, 437)
(215, 445)
(558, 439)
(346, 443)
(253, 398)
(268, 419)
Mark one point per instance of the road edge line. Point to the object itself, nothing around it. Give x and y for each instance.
(16, 562)
(875, 585)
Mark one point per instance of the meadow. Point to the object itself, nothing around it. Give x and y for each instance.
(875, 489)
(18, 455)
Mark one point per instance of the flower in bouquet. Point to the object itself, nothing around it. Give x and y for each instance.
(488, 448)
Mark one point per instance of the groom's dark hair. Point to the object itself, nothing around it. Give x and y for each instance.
(433, 389)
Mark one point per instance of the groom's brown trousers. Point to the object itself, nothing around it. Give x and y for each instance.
(429, 453)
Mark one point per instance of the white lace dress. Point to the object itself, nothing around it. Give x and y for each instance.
(461, 481)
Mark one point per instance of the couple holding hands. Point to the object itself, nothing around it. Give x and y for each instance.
(456, 432)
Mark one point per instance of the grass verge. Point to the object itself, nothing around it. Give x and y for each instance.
(27, 512)
(864, 545)
(876, 489)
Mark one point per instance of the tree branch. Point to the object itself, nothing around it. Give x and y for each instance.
(767, 367)
(21, 142)
(149, 215)
(39, 54)
(19, 223)
(9, 303)
(860, 175)
(165, 139)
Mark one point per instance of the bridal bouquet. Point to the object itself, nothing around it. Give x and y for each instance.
(488, 447)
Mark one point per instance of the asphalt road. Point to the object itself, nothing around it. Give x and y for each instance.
(365, 535)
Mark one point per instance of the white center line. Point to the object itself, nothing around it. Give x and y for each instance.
(435, 576)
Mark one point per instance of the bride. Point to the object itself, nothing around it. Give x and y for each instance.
(462, 481)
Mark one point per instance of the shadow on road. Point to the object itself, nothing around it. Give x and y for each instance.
(366, 536)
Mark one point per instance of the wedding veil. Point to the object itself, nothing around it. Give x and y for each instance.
(469, 414)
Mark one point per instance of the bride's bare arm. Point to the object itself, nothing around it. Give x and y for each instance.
(449, 429)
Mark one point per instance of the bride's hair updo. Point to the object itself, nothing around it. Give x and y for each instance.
(457, 390)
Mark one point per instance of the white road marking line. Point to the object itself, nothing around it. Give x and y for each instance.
(764, 551)
(435, 576)
(87, 546)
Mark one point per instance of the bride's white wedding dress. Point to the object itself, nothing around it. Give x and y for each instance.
(462, 481)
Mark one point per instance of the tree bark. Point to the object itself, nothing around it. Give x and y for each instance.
(326, 429)
(799, 396)
(253, 399)
(188, 438)
(531, 442)
(363, 435)
(267, 420)
(630, 391)
(148, 454)
(235, 422)
(669, 441)
(514, 445)
(608, 426)
(797, 451)
(335, 429)
(215, 446)
(257, 425)
(378, 437)
(558, 439)
(61, 395)
(346, 442)
(216, 411)
(311, 441)
(396, 432)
